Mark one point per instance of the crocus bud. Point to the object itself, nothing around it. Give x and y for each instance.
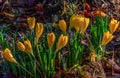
(107, 37)
(20, 46)
(62, 25)
(51, 39)
(7, 55)
(28, 47)
(113, 25)
(62, 42)
(38, 31)
(31, 22)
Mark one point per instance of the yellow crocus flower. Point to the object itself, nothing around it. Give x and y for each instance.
(98, 12)
(8, 56)
(113, 25)
(51, 39)
(62, 42)
(77, 22)
(28, 47)
(81, 24)
(93, 56)
(85, 25)
(72, 20)
(20, 46)
(31, 22)
(38, 31)
(62, 25)
(107, 37)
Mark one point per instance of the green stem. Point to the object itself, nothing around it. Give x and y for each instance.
(69, 58)
(101, 48)
(41, 62)
(55, 53)
(42, 66)
(35, 66)
(49, 63)
(25, 70)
